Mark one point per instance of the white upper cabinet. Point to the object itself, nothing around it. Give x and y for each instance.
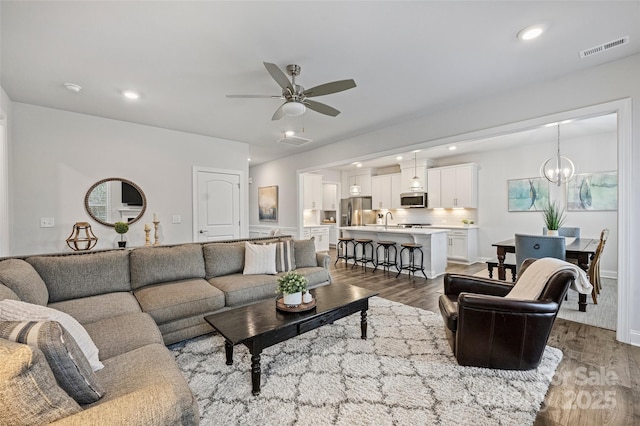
(385, 191)
(457, 186)
(409, 170)
(362, 179)
(312, 192)
(329, 196)
(396, 190)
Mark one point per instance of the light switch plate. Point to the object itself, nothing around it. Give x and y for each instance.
(176, 219)
(47, 222)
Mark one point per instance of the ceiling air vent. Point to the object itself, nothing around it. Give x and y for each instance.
(605, 46)
(294, 140)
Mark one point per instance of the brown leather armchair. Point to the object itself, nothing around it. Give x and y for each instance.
(487, 330)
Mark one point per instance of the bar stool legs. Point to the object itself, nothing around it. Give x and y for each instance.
(412, 267)
(387, 261)
(363, 243)
(342, 250)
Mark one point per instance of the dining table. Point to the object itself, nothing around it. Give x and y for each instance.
(580, 249)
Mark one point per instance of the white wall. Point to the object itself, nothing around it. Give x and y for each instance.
(57, 155)
(5, 138)
(593, 86)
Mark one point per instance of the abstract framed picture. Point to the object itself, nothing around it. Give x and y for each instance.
(527, 195)
(268, 203)
(593, 192)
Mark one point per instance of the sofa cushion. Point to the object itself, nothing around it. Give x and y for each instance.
(80, 275)
(223, 259)
(25, 282)
(305, 253)
(179, 299)
(96, 308)
(315, 275)
(29, 394)
(7, 293)
(148, 375)
(14, 310)
(153, 265)
(259, 259)
(117, 335)
(242, 289)
(67, 362)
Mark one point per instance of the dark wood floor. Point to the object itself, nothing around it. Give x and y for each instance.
(597, 381)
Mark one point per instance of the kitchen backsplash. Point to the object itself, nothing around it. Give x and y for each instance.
(434, 217)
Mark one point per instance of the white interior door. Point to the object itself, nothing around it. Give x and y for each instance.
(218, 206)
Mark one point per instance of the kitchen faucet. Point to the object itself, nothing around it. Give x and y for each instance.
(385, 219)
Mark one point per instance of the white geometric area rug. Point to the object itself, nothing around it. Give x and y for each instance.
(403, 374)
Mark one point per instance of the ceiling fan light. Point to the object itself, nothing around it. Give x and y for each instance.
(294, 108)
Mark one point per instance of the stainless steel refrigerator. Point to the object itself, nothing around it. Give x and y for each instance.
(356, 211)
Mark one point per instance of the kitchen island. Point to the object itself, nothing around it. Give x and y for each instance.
(433, 240)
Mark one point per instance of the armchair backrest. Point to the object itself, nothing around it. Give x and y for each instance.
(539, 246)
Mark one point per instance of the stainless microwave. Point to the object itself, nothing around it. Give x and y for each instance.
(414, 199)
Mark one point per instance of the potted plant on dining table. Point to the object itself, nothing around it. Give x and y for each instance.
(553, 218)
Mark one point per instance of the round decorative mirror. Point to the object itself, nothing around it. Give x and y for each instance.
(114, 200)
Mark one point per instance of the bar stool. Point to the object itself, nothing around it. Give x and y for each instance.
(363, 259)
(412, 267)
(386, 260)
(342, 249)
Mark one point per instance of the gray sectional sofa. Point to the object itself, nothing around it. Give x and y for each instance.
(133, 303)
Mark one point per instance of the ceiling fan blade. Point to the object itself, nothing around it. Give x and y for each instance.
(279, 113)
(321, 108)
(328, 88)
(254, 96)
(279, 76)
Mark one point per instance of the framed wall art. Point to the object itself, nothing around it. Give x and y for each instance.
(593, 192)
(268, 203)
(527, 195)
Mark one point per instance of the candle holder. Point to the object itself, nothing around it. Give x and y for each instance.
(147, 232)
(156, 236)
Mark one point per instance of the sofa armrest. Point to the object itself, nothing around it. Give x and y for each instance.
(323, 260)
(154, 404)
(455, 284)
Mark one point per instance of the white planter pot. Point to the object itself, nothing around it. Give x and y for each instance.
(552, 232)
(293, 299)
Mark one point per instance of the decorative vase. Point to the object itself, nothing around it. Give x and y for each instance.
(552, 232)
(307, 297)
(293, 299)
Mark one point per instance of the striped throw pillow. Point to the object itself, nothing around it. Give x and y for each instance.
(69, 365)
(285, 256)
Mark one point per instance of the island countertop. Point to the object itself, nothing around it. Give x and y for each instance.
(393, 230)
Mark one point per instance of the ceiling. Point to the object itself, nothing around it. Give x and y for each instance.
(407, 58)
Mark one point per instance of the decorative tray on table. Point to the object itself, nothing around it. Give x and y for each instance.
(297, 308)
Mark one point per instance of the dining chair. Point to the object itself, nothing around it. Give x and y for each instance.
(565, 231)
(594, 266)
(539, 246)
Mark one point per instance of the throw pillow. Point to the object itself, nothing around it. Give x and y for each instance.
(305, 253)
(259, 259)
(15, 310)
(29, 394)
(24, 280)
(285, 259)
(69, 365)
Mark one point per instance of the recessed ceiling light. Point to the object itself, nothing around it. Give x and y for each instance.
(452, 148)
(289, 133)
(399, 157)
(249, 159)
(531, 32)
(131, 94)
(416, 151)
(72, 87)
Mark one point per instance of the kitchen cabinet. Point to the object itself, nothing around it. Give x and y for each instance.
(333, 235)
(312, 191)
(385, 191)
(364, 181)
(454, 186)
(409, 170)
(462, 245)
(320, 235)
(330, 196)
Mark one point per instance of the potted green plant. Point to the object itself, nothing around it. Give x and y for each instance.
(121, 228)
(291, 285)
(467, 222)
(553, 218)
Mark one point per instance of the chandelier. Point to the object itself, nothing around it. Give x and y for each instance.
(558, 169)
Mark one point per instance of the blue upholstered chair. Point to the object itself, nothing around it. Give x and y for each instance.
(539, 246)
(566, 231)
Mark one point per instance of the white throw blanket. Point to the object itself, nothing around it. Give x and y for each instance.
(532, 281)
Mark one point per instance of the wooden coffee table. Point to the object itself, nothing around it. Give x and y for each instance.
(260, 325)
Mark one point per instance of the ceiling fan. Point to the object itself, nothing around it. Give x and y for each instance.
(296, 97)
